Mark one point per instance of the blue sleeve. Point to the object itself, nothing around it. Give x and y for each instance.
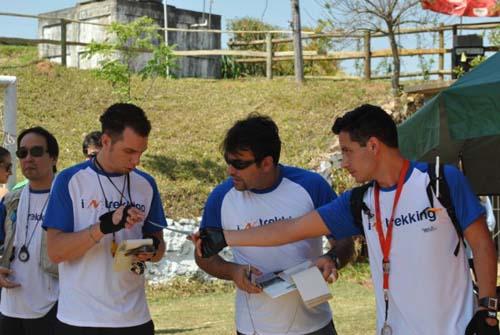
(59, 213)
(324, 194)
(3, 215)
(338, 218)
(315, 185)
(466, 204)
(212, 211)
(155, 220)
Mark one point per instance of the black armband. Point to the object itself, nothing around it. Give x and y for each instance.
(212, 241)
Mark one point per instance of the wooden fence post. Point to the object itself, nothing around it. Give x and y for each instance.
(269, 57)
(63, 42)
(297, 42)
(441, 55)
(368, 58)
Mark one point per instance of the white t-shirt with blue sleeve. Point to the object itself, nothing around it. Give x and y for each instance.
(296, 193)
(39, 290)
(92, 294)
(430, 289)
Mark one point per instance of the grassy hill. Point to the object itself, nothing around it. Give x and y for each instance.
(189, 118)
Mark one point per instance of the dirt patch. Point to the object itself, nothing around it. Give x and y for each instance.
(46, 68)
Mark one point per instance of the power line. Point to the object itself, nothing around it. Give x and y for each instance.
(310, 17)
(264, 11)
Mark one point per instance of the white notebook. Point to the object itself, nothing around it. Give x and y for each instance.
(305, 277)
(312, 287)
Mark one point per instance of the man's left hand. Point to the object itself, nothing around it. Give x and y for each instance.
(327, 267)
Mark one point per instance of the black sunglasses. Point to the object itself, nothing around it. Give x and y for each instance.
(239, 164)
(36, 151)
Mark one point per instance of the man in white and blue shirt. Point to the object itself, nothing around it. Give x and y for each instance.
(29, 282)
(93, 207)
(261, 191)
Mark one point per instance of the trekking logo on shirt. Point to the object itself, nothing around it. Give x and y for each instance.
(262, 222)
(407, 219)
(35, 216)
(95, 204)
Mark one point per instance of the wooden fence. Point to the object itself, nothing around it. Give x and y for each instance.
(367, 54)
(270, 57)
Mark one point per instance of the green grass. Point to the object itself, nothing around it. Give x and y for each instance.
(15, 56)
(190, 308)
(189, 117)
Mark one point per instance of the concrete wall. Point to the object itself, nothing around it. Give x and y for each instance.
(108, 11)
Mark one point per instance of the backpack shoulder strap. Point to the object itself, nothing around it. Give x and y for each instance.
(444, 198)
(11, 199)
(358, 206)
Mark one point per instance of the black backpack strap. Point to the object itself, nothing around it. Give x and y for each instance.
(444, 198)
(358, 206)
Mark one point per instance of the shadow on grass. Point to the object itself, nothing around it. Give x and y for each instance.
(204, 170)
(177, 330)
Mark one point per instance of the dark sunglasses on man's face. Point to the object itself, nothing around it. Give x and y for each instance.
(36, 151)
(239, 164)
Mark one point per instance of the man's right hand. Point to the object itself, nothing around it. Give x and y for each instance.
(241, 276)
(4, 282)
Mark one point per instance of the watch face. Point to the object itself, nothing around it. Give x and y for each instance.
(489, 302)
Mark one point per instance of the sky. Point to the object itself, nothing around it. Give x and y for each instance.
(276, 12)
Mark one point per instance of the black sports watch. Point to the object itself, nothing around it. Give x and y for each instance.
(491, 305)
(333, 255)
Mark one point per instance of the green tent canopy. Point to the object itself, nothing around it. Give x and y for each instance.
(461, 123)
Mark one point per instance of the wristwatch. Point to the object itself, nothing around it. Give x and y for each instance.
(491, 305)
(333, 255)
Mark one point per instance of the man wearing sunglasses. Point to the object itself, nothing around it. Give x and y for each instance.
(28, 279)
(5, 173)
(94, 206)
(260, 191)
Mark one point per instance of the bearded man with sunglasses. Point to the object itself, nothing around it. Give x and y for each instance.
(260, 191)
(94, 206)
(28, 279)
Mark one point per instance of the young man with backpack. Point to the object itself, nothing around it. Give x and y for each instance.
(419, 269)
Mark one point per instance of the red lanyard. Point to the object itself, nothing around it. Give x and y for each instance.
(385, 242)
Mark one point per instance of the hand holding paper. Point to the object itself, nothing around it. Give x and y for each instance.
(128, 250)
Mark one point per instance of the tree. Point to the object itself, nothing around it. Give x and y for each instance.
(495, 37)
(378, 16)
(120, 52)
(283, 68)
(249, 23)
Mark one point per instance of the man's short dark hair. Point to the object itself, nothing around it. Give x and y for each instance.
(368, 121)
(94, 139)
(122, 115)
(3, 154)
(258, 134)
(52, 146)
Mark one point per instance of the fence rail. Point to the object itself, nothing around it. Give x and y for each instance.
(269, 56)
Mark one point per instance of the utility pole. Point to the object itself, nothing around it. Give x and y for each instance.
(297, 42)
(165, 26)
